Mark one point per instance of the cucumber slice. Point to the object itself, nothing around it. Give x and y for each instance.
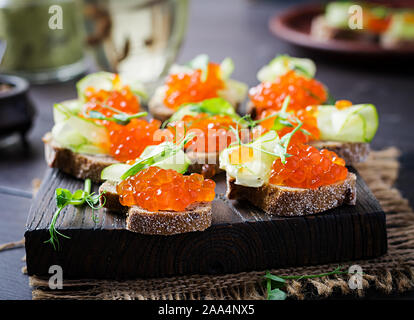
(64, 134)
(74, 132)
(178, 162)
(63, 110)
(135, 85)
(370, 115)
(337, 15)
(256, 172)
(88, 148)
(226, 68)
(235, 91)
(357, 123)
(104, 81)
(99, 81)
(114, 172)
(92, 132)
(284, 63)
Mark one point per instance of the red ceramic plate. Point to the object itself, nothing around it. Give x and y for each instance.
(294, 25)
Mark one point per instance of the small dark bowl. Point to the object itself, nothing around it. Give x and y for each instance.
(16, 109)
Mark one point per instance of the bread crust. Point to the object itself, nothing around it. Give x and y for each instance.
(197, 217)
(286, 201)
(79, 165)
(83, 166)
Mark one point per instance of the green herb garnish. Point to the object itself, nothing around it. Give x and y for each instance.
(282, 119)
(120, 118)
(282, 143)
(169, 151)
(64, 198)
(275, 284)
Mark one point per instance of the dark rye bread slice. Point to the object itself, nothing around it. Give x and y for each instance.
(286, 201)
(79, 165)
(85, 166)
(196, 218)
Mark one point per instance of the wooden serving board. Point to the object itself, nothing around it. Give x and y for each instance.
(241, 238)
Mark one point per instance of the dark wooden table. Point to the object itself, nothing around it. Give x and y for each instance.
(235, 28)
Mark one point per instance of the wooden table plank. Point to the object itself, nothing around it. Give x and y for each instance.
(14, 285)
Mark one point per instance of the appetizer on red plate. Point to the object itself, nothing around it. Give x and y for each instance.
(390, 27)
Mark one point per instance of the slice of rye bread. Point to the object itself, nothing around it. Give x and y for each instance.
(90, 166)
(351, 152)
(287, 201)
(79, 165)
(196, 218)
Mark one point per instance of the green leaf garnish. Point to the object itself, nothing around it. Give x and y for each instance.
(64, 198)
(120, 118)
(274, 283)
(169, 151)
(282, 143)
(214, 106)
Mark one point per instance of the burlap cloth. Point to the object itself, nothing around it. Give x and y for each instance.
(393, 272)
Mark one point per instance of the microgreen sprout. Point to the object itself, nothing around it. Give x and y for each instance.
(280, 149)
(275, 284)
(169, 151)
(119, 117)
(64, 198)
(282, 118)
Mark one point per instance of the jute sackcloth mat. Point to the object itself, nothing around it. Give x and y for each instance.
(393, 272)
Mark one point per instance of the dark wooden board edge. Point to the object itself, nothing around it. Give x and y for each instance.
(240, 239)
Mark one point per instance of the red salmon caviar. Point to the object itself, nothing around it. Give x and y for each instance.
(156, 189)
(306, 116)
(190, 87)
(343, 104)
(123, 100)
(126, 142)
(302, 91)
(212, 131)
(308, 168)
